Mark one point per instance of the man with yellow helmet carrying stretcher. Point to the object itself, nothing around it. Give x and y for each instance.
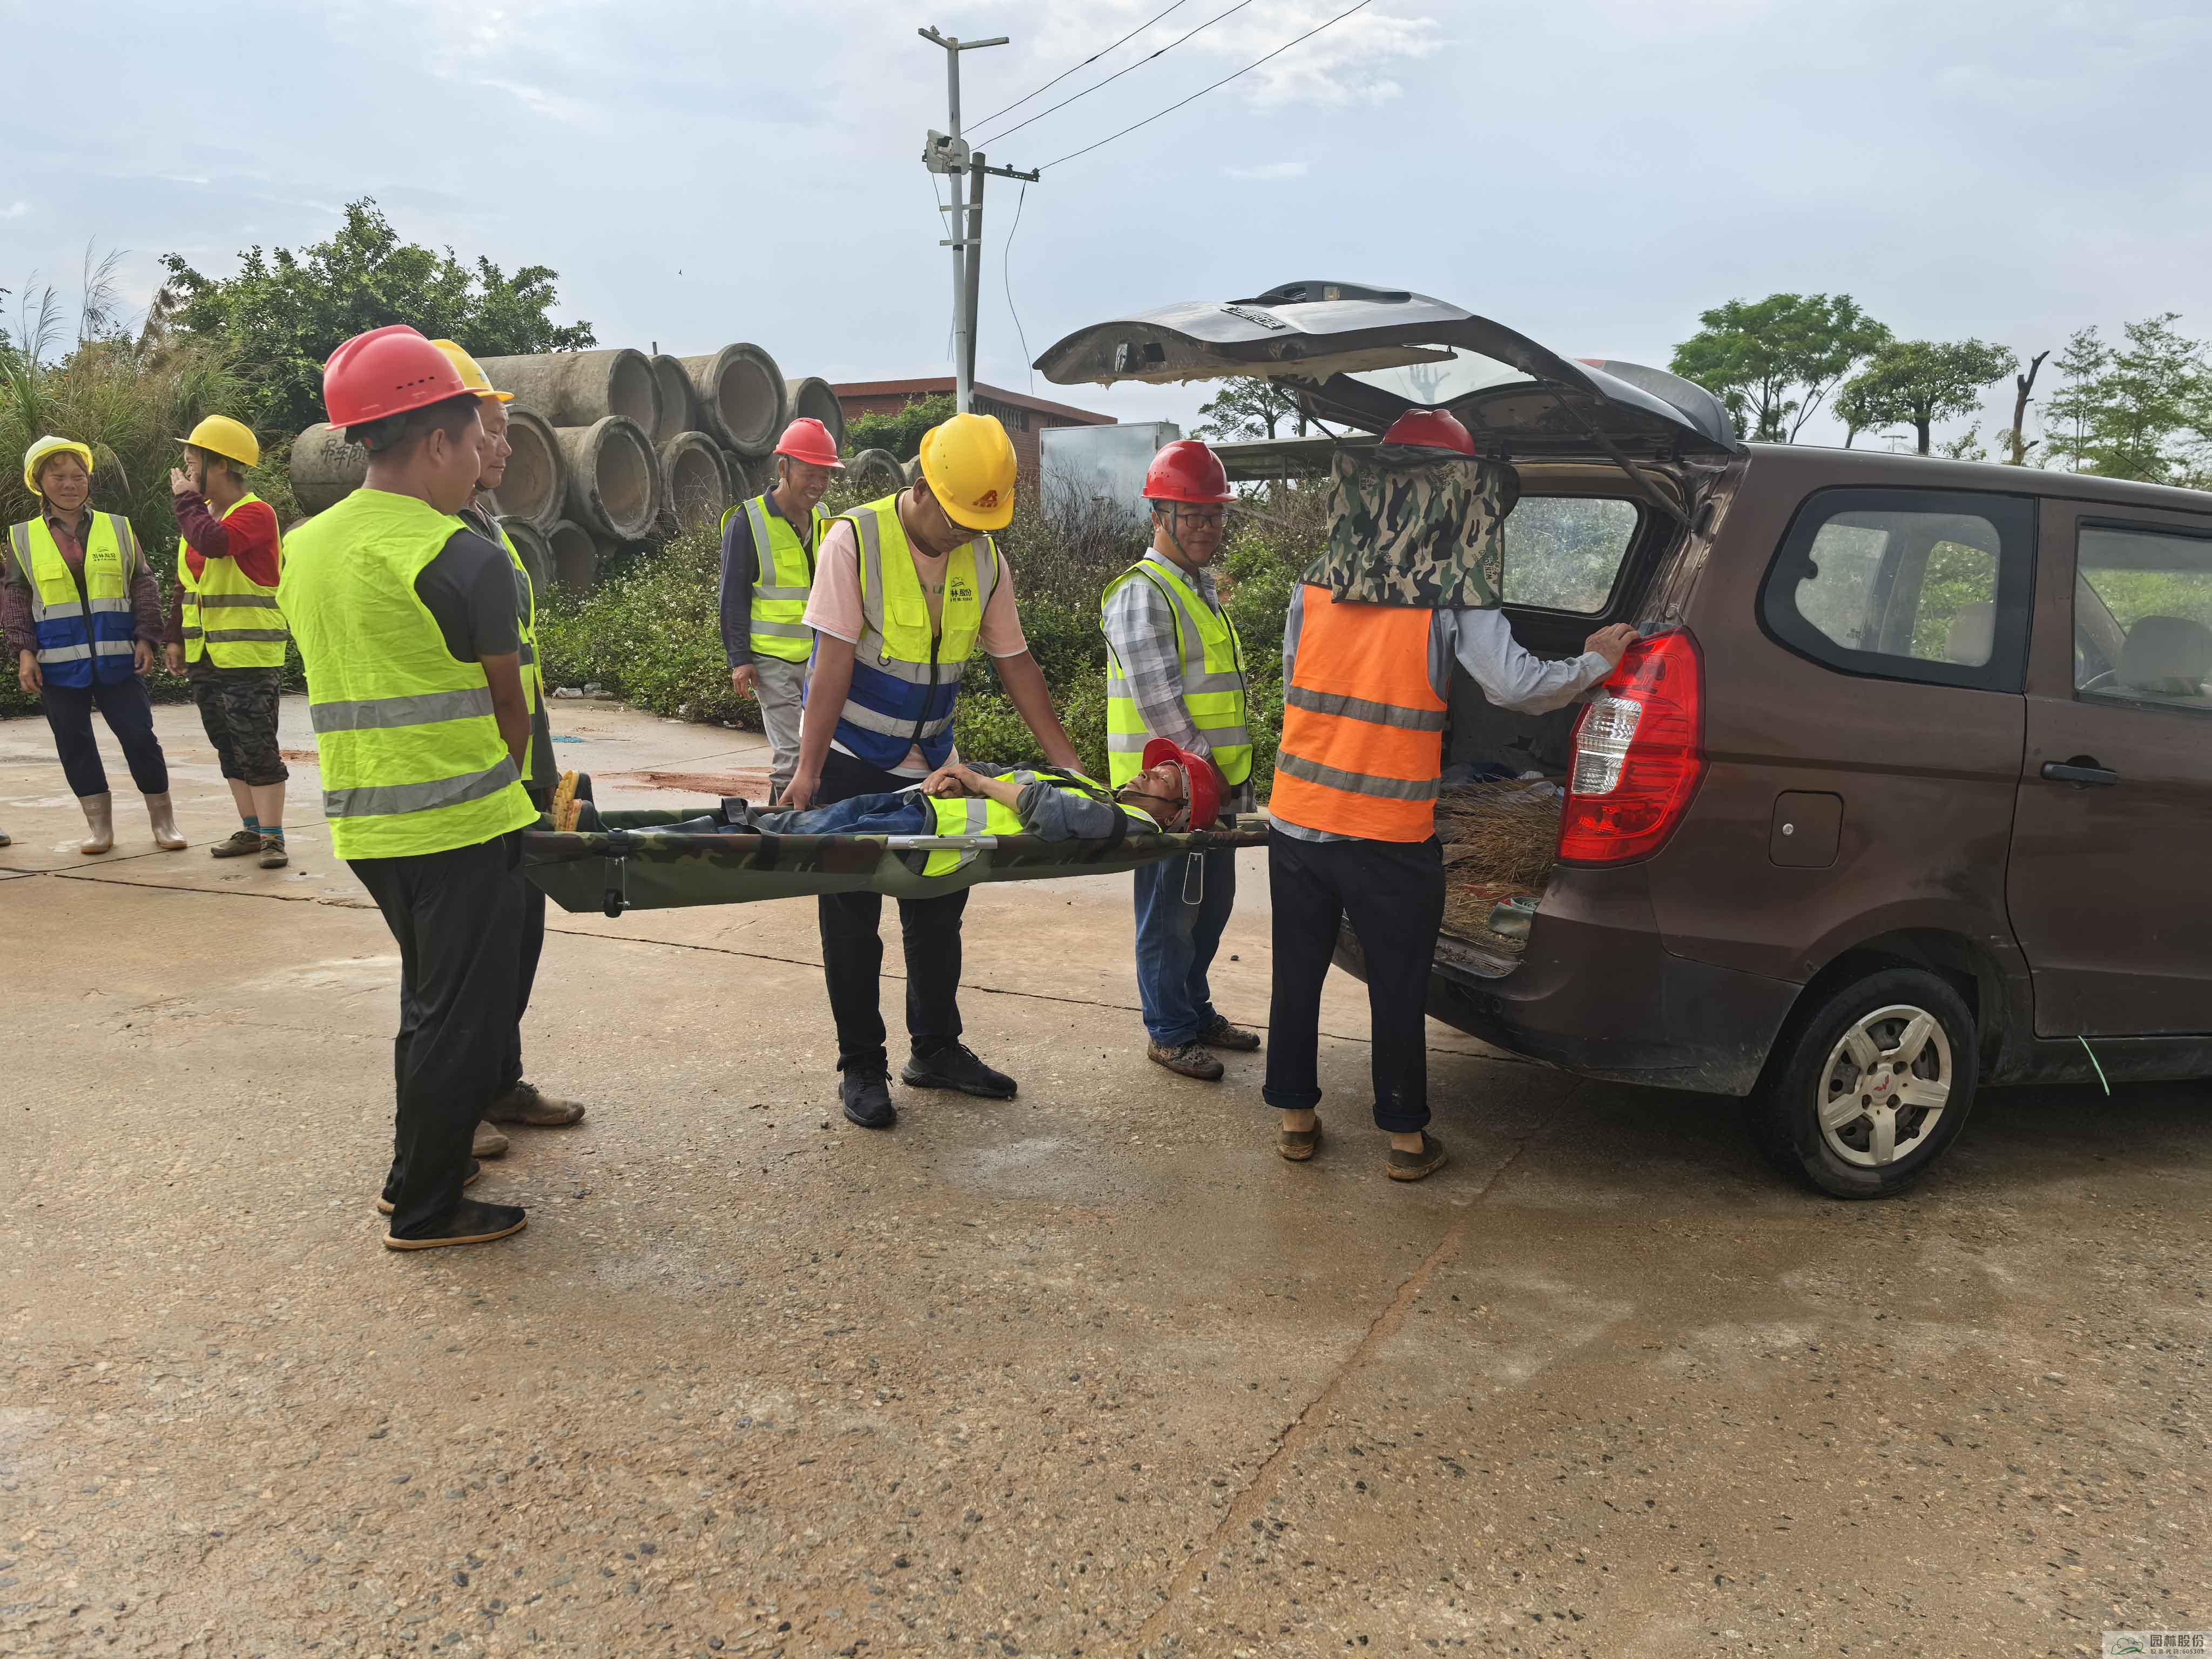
(906, 590)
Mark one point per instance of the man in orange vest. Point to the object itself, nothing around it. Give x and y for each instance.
(1367, 664)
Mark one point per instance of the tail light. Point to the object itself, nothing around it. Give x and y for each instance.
(1639, 755)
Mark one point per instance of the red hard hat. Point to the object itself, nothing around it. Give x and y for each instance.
(1430, 428)
(1203, 780)
(386, 371)
(1186, 471)
(807, 439)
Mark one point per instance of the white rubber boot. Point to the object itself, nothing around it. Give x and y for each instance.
(99, 819)
(163, 817)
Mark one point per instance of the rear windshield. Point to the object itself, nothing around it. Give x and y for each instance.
(1564, 552)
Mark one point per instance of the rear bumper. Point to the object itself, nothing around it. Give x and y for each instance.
(1598, 994)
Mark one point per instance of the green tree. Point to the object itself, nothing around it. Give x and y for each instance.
(901, 431)
(2140, 411)
(1773, 361)
(1251, 408)
(284, 312)
(1915, 382)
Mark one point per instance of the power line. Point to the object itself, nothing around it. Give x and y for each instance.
(1202, 91)
(1116, 75)
(1085, 65)
(1005, 276)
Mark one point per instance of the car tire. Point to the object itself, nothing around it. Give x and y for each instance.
(1871, 1085)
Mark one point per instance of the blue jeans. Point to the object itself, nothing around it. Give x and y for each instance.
(1176, 939)
(862, 814)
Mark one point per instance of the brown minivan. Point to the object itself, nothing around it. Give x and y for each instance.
(1899, 794)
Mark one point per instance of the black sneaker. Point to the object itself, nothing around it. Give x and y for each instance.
(868, 1099)
(385, 1205)
(956, 1067)
(471, 1223)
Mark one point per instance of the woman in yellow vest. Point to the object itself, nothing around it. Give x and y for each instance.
(79, 603)
(1175, 669)
(225, 635)
(406, 623)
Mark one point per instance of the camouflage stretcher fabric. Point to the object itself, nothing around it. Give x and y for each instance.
(1422, 528)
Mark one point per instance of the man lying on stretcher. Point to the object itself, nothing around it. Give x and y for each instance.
(1176, 791)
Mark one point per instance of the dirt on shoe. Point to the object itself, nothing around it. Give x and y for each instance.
(1235, 1038)
(471, 1223)
(1298, 1145)
(273, 855)
(1191, 1059)
(531, 1107)
(488, 1143)
(1415, 1166)
(239, 843)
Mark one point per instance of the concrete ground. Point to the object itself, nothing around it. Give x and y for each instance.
(1089, 1373)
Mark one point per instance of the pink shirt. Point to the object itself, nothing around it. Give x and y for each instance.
(834, 608)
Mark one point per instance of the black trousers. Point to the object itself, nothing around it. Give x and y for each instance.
(129, 714)
(457, 916)
(533, 946)
(1394, 894)
(853, 947)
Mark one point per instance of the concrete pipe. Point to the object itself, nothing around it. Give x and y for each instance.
(614, 477)
(326, 468)
(740, 398)
(912, 471)
(536, 554)
(576, 388)
(574, 555)
(692, 473)
(876, 472)
(680, 404)
(812, 396)
(747, 478)
(537, 480)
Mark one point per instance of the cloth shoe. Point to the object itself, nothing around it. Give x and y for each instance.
(471, 1223)
(385, 1204)
(1298, 1145)
(162, 816)
(868, 1099)
(273, 855)
(526, 1104)
(239, 844)
(1413, 1166)
(1222, 1035)
(489, 1142)
(956, 1067)
(100, 822)
(1189, 1058)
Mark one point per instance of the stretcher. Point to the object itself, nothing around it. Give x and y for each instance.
(629, 863)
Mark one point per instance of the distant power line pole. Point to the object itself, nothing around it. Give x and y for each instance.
(948, 153)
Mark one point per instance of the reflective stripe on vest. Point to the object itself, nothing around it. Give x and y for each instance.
(1213, 690)
(979, 815)
(1363, 728)
(785, 581)
(906, 672)
(79, 637)
(412, 758)
(228, 615)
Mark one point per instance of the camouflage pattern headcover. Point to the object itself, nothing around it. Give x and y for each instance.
(1423, 528)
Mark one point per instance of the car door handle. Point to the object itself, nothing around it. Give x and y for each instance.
(2081, 777)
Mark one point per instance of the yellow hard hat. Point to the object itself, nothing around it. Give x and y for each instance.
(471, 372)
(50, 446)
(968, 464)
(233, 440)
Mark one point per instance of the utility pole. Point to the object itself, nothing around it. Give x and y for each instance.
(948, 153)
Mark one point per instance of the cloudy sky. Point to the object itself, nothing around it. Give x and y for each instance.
(1592, 171)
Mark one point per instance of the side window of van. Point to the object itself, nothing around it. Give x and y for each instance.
(1903, 583)
(1564, 552)
(2143, 616)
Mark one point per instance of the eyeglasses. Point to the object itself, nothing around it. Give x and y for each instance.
(1203, 517)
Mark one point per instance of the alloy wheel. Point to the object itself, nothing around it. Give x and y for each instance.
(1884, 1085)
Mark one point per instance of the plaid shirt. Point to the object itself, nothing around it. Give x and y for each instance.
(1141, 630)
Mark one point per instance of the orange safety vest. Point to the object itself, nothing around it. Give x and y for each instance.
(1363, 744)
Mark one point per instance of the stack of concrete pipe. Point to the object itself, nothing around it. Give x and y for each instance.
(612, 447)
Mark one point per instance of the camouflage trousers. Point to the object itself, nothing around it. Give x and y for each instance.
(237, 710)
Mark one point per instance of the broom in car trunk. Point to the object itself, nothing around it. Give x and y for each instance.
(1500, 839)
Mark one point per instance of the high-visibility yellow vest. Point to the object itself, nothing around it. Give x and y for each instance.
(526, 624)
(79, 637)
(412, 759)
(786, 579)
(979, 815)
(228, 616)
(1213, 681)
(906, 673)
